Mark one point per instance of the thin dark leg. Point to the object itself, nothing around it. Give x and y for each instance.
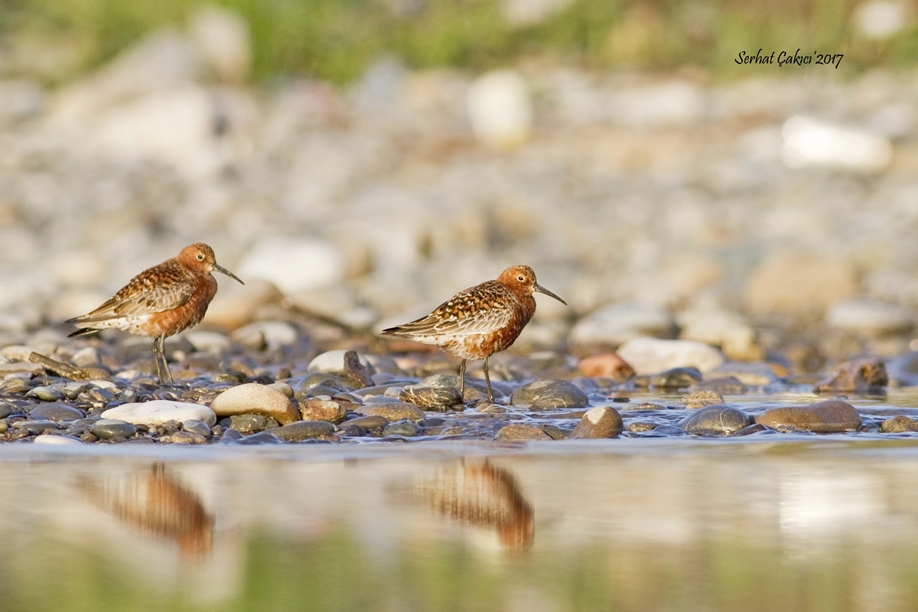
(488, 381)
(462, 379)
(162, 365)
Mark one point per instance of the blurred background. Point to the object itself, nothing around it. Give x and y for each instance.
(363, 160)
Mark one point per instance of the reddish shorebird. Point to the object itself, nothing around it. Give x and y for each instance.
(480, 321)
(160, 301)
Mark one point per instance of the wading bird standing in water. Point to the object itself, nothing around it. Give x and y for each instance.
(480, 321)
(160, 301)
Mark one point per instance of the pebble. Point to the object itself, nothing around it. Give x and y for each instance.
(45, 394)
(675, 378)
(332, 362)
(197, 427)
(859, 375)
(112, 428)
(606, 365)
(262, 437)
(716, 419)
(829, 416)
(322, 410)
(249, 423)
(372, 423)
(305, 430)
(402, 428)
(652, 355)
(700, 399)
(431, 398)
(5, 410)
(393, 411)
(517, 432)
(641, 426)
(265, 334)
(157, 412)
(599, 422)
(35, 427)
(753, 374)
(548, 394)
(899, 424)
(57, 440)
(258, 399)
(55, 412)
(187, 437)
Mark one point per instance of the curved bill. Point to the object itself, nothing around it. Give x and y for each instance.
(223, 270)
(542, 289)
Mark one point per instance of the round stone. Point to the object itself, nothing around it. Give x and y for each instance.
(158, 412)
(305, 430)
(402, 428)
(548, 394)
(322, 410)
(187, 437)
(716, 419)
(675, 378)
(700, 399)
(899, 424)
(45, 394)
(431, 398)
(599, 422)
(248, 423)
(111, 428)
(393, 411)
(517, 432)
(257, 399)
(197, 427)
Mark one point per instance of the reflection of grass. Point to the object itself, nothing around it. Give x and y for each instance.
(336, 39)
(335, 573)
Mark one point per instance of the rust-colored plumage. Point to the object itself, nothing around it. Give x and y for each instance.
(160, 301)
(480, 321)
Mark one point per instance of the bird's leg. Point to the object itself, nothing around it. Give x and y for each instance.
(488, 381)
(462, 380)
(162, 365)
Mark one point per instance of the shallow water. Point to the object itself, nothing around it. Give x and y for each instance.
(782, 522)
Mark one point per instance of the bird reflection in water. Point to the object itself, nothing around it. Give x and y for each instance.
(480, 494)
(159, 505)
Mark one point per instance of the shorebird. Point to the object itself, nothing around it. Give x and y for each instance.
(480, 321)
(160, 301)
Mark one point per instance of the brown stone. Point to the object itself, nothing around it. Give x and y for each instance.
(899, 424)
(700, 399)
(599, 422)
(858, 375)
(322, 410)
(606, 365)
(394, 411)
(512, 433)
(823, 417)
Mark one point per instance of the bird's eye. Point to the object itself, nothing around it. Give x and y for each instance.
(200, 257)
(520, 278)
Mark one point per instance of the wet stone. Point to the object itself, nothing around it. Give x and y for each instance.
(606, 365)
(322, 410)
(249, 423)
(492, 409)
(859, 375)
(262, 437)
(675, 378)
(35, 427)
(716, 419)
(549, 394)
(431, 398)
(554, 432)
(197, 427)
(402, 428)
(641, 426)
(55, 412)
(187, 437)
(599, 422)
(700, 399)
(899, 424)
(5, 410)
(667, 431)
(372, 424)
(643, 406)
(111, 428)
(750, 429)
(822, 417)
(393, 411)
(517, 432)
(305, 430)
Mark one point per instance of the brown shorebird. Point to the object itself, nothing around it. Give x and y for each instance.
(160, 301)
(480, 321)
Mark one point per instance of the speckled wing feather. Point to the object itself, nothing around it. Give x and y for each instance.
(479, 310)
(157, 289)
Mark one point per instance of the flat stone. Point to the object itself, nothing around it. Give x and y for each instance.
(56, 412)
(716, 419)
(516, 432)
(394, 411)
(35, 427)
(187, 437)
(599, 422)
(641, 426)
(606, 365)
(322, 410)
(899, 424)
(248, 423)
(652, 355)
(858, 375)
(700, 399)
(256, 399)
(431, 398)
(374, 423)
(157, 412)
(823, 417)
(112, 428)
(57, 440)
(197, 427)
(305, 430)
(548, 394)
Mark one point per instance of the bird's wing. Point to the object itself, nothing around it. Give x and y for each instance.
(479, 310)
(157, 289)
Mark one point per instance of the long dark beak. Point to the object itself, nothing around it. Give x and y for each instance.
(542, 289)
(223, 270)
